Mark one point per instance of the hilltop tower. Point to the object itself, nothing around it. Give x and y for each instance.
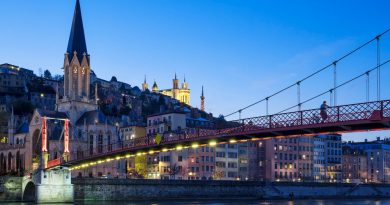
(155, 87)
(145, 85)
(202, 100)
(175, 83)
(184, 85)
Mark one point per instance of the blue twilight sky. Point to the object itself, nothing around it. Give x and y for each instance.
(241, 50)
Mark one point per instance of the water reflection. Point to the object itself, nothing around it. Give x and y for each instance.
(234, 202)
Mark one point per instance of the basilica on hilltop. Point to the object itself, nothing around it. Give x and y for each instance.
(182, 94)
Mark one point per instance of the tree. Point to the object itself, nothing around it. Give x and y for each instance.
(58, 77)
(141, 167)
(125, 110)
(22, 107)
(47, 74)
(161, 100)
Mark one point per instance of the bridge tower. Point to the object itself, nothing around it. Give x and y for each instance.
(53, 185)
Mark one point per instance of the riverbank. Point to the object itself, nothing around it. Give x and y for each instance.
(232, 202)
(91, 189)
(122, 189)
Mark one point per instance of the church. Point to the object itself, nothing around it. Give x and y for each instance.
(182, 94)
(90, 131)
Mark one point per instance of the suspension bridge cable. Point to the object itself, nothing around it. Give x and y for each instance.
(332, 90)
(311, 75)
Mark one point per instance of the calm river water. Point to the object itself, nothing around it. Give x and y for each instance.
(241, 202)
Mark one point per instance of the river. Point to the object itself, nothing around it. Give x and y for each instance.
(239, 202)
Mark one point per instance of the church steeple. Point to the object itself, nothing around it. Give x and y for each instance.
(77, 37)
(145, 85)
(175, 82)
(76, 63)
(184, 85)
(77, 71)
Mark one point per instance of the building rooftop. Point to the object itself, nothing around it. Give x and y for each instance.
(52, 114)
(93, 117)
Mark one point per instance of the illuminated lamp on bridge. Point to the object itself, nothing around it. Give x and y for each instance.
(343, 118)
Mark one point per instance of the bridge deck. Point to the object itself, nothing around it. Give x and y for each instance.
(368, 116)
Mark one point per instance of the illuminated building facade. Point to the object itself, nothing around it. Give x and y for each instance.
(378, 159)
(182, 94)
(354, 166)
(226, 162)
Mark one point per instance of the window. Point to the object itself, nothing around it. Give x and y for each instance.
(100, 143)
(232, 155)
(180, 158)
(220, 164)
(232, 174)
(109, 143)
(165, 158)
(232, 165)
(220, 154)
(91, 144)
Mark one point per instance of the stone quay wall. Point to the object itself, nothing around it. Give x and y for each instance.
(11, 189)
(86, 189)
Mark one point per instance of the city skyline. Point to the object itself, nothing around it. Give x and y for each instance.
(200, 50)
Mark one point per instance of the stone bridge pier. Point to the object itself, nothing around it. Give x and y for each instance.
(49, 186)
(54, 186)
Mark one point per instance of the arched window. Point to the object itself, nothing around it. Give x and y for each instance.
(55, 154)
(91, 144)
(37, 143)
(109, 143)
(80, 154)
(2, 163)
(9, 161)
(18, 162)
(100, 143)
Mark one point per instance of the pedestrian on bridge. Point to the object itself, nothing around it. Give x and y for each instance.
(323, 112)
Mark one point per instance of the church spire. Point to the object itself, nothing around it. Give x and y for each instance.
(77, 38)
(145, 85)
(202, 100)
(175, 83)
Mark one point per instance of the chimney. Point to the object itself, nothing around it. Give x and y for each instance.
(378, 139)
(365, 140)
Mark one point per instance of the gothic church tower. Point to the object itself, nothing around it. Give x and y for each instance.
(77, 69)
(76, 64)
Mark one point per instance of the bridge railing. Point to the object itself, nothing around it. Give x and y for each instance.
(343, 113)
(305, 118)
(386, 109)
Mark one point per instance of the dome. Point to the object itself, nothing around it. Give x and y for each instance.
(155, 87)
